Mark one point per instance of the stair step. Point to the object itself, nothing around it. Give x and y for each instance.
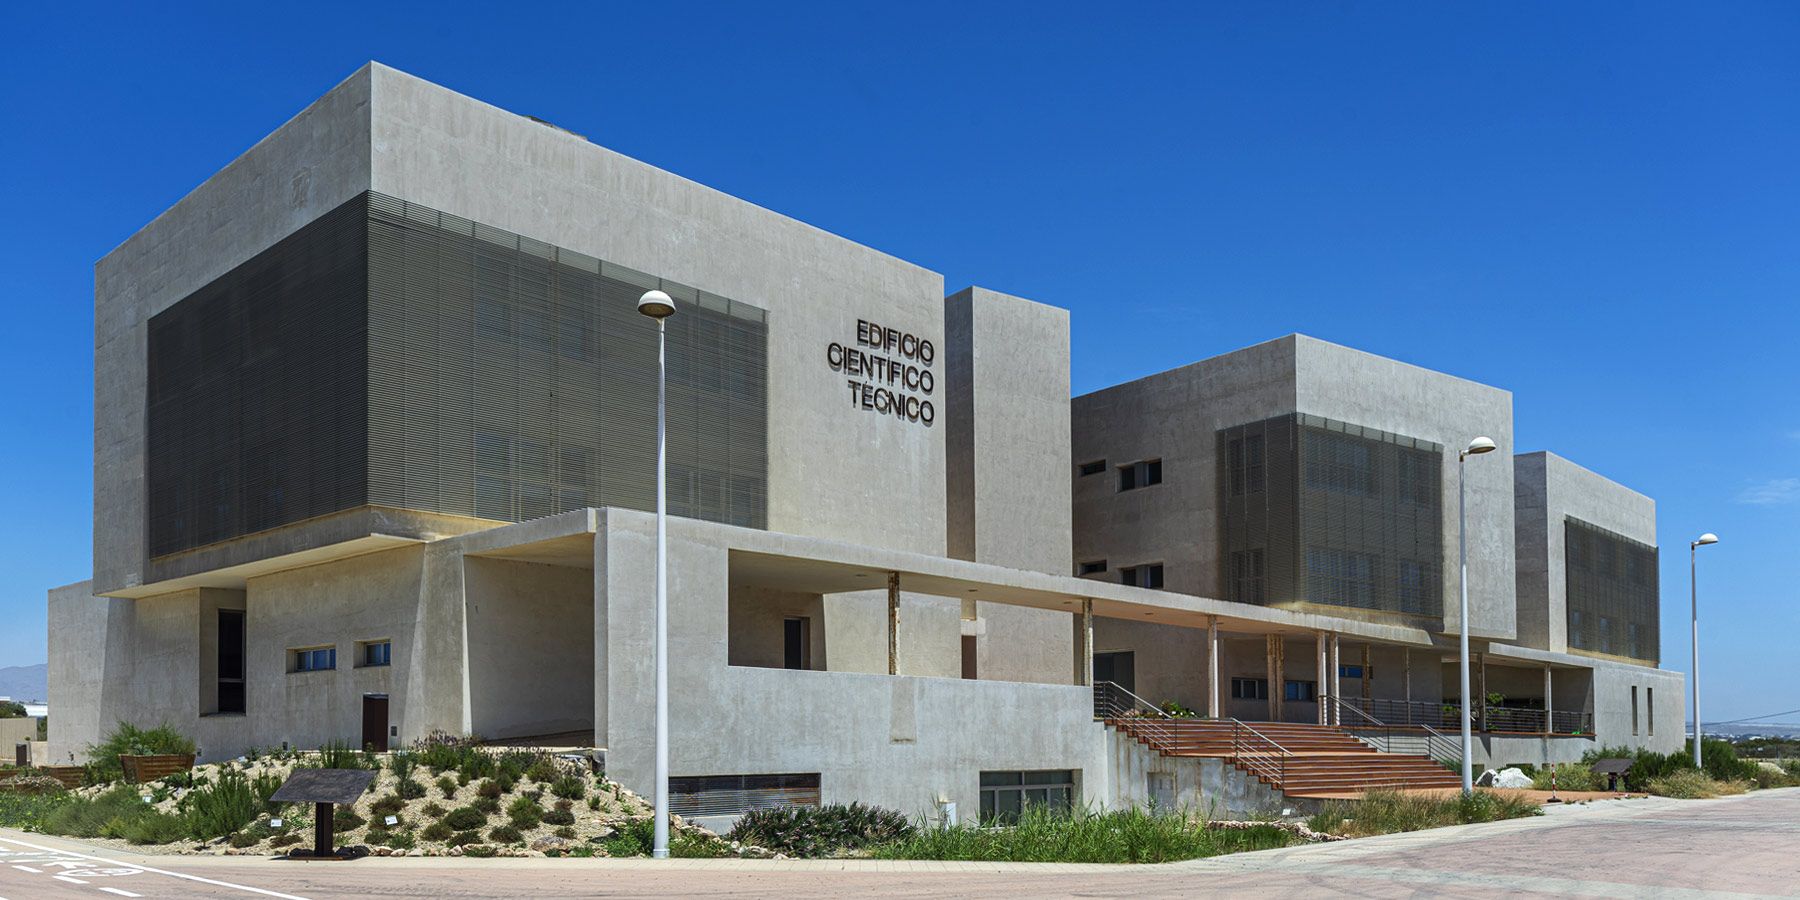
(1294, 757)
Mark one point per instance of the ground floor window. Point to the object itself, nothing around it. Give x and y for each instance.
(1005, 794)
(729, 795)
(1301, 691)
(314, 659)
(1249, 689)
(377, 653)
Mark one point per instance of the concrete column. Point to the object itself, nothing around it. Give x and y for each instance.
(1549, 719)
(1320, 683)
(1271, 656)
(1213, 707)
(1406, 677)
(1084, 649)
(1481, 688)
(893, 623)
(1368, 670)
(1337, 680)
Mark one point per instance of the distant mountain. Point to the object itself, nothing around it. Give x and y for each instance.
(25, 682)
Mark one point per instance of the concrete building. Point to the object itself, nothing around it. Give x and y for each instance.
(373, 450)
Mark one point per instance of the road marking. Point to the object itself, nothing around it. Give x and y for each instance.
(121, 892)
(68, 879)
(181, 875)
(29, 869)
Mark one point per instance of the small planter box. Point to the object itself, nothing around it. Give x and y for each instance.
(70, 776)
(139, 769)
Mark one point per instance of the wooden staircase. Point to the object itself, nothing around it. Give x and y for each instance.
(1299, 760)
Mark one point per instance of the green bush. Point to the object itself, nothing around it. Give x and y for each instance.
(565, 832)
(88, 817)
(11, 709)
(464, 838)
(129, 740)
(569, 787)
(344, 818)
(409, 789)
(401, 840)
(559, 817)
(505, 834)
(464, 818)
(387, 806)
(1569, 777)
(821, 830)
(437, 831)
(697, 845)
(544, 770)
(594, 802)
(489, 788)
(432, 810)
(1388, 812)
(486, 804)
(1046, 835)
(479, 851)
(447, 786)
(634, 838)
(376, 836)
(154, 828)
(284, 840)
(251, 836)
(524, 813)
(1692, 784)
(28, 811)
(340, 755)
(1720, 758)
(223, 807)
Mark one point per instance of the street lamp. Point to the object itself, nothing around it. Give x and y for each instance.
(658, 306)
(1694, 609)
(1477, 446)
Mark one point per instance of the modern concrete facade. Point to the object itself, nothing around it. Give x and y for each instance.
(903, 614)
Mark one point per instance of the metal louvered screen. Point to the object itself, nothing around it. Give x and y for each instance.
(1324, 512)
(389, 354)
(510, 380)
(729, 795)
(1614, 596)
(256, 388)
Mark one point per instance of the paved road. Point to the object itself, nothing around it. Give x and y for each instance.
(1735, 847)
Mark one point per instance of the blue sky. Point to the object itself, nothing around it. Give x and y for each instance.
(1595, 206)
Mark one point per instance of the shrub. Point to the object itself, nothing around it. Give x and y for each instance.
(463, 838)
(401, 840)
(464, 818)
(437, 831)
(634, 838)
(130, 740)
(264, 785)
(594, 802)
(506, 781)
(1693, 784)
(154, 828)
(697, 845)
(387, 806)
(565, 832)
(88, 816)
(344, 818)
(479, 851)
(447, 786)
(402, 765)
(543, 770)
(1387, 812)
(559, 817)
(524, 813)
(569, 787)
(489, 788)
(28, 810)
(432, 810)
(251, 836)
(505, 834)
(11, 709)
(340, 755)
(409, 789)
(1569, 777)
(284, 840)
(1046, 835)
(477, 764)
(376, 837)
(223, 807)
(821, 830)
(486, 804)
(1774, 777)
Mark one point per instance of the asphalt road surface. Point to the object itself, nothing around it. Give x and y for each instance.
(1745, 846)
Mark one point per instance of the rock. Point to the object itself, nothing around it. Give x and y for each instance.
(415, 852)
(1509, 778)
(1486, 779)
(551, 842)
(455, 851)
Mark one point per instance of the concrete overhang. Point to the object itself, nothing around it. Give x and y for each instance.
(1545, 658)
(235, 577)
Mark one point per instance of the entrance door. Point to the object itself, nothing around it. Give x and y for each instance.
(1118, 668)
(375, 722)
(796, 650)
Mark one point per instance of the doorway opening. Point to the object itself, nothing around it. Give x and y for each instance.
(375, 722)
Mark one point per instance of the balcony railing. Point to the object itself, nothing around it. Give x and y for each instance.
(1498, 718)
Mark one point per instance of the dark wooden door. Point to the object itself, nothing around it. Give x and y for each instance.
(375, 722)
(1120, 668)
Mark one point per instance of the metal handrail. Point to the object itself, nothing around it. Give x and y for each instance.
(1434, 740)
(1161, 735)
(1258, 762)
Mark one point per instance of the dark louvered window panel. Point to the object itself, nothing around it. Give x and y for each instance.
(256, 391)
(730, 795)
(1340, 515)
(510, 379)
(393, 355)
(1614, 596)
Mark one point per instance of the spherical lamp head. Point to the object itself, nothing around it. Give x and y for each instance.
(1707, 538)
(656, 305)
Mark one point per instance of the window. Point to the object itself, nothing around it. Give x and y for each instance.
(375, 653)
(1341, 464)
(1350, 671)
(1634, 715)
(1092, 468)
(231, 661)
(1247, 576)
(1148, 576)
(1094, 567)
(727, 795)
(1249, 688)
(1605, 635)
(796, 643)
(1576, 638)
(1301, 691)
(315, 659)
(1650, 710)
(1340, 577)
(1140, 474)
(1246, 462)
(1410, 586)
(1005, 794)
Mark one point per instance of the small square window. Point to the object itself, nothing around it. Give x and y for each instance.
(375, 653)
(314, 659)
(1094, 567)
(1148, 576)
(1140, 474)
(1092, 468)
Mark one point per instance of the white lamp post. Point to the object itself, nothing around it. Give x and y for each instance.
(1694, 609)
(658, 306)
(1479, 445)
